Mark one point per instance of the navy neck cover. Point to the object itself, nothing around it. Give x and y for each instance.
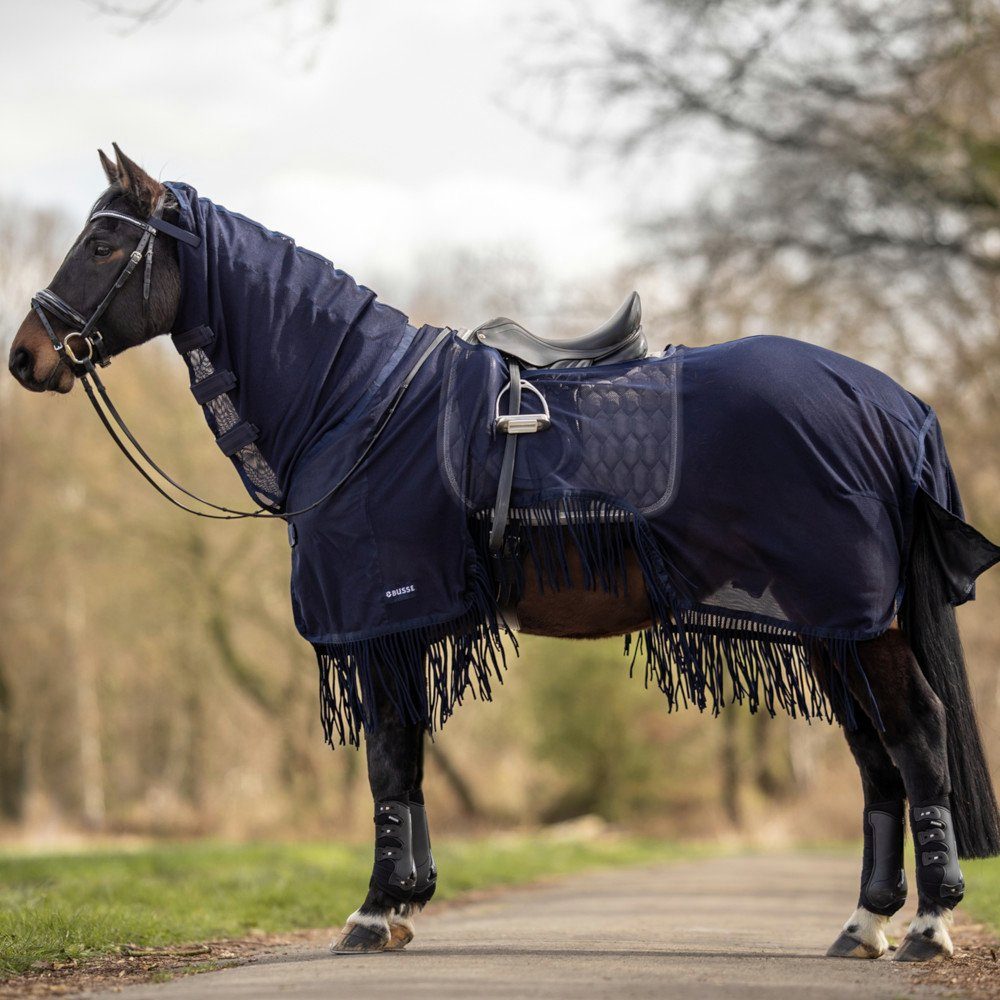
(767, 488)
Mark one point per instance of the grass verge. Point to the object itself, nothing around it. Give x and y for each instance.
(55, 908)
(982, 897)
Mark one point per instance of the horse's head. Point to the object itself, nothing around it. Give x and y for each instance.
(93, 265)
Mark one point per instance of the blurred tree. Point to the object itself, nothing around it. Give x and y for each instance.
(31, 242)
(461, 286)
(850, 159)
(586, 723)
(300, 29)
(12, 755)
(138, 12)
(842, 184)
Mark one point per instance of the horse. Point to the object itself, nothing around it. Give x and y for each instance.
(902, 698)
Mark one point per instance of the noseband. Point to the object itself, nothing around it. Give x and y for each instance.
(95, 350)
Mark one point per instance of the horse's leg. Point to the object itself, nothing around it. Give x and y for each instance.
(394, 753)
(401, 918)
(914, 734)
(883, 884)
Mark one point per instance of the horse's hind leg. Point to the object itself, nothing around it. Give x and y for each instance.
(883, 884)
(914, 733)
(403, 874)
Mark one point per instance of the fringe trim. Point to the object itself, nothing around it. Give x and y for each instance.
(688, 653)
(425, 673)
(696, 657)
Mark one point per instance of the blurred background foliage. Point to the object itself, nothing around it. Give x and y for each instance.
(848, 165)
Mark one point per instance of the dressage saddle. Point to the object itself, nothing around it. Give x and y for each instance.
(619, 339)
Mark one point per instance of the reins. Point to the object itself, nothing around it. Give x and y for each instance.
(48, 301)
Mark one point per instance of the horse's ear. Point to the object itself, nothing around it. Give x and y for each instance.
(136, 183)
(110, 170)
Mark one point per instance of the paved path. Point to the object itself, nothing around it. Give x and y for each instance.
(741, 928)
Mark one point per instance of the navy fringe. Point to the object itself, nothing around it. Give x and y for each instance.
(424, 673)
(687, 652)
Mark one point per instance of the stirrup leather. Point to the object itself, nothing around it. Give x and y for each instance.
(513, 424)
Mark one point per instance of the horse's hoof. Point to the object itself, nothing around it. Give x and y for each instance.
(400, 935)
(918, 948)
(361, 939)
(847, 946)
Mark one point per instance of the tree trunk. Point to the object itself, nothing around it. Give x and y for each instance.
(88, 707)
(13, 772)
(773, 774)
(729, 760)
(456, 782)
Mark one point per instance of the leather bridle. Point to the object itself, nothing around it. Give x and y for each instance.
(85, 329)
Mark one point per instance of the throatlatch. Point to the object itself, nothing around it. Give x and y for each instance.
(883, 881)
(938, 874)
(395, 872)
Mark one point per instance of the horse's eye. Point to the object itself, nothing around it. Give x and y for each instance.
(102, 250)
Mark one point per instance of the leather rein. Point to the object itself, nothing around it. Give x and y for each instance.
(93, 349)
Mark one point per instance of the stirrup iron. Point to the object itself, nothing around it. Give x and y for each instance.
(521, 423)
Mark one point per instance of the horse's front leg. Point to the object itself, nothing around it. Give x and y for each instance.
(403, 873)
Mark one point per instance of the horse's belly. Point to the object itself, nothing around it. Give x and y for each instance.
(577, 613)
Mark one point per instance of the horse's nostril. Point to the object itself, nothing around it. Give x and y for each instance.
(21, 364)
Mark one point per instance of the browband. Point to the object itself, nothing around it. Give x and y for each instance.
(153, 222)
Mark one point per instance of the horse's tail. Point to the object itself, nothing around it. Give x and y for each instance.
(928, 618)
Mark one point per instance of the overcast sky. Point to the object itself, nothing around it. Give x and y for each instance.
(394, 144)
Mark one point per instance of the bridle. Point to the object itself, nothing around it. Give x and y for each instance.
(95, 350)
(86, 328)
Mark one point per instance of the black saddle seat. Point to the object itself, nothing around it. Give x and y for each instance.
(619, 339)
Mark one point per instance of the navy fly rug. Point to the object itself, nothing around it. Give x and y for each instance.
(768, 489)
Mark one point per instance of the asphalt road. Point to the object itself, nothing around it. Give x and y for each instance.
(754, 927)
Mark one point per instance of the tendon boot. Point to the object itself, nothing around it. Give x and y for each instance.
(426, 870)
(939, 877)
(883, 881)
(394, 873)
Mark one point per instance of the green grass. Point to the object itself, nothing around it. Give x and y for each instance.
(57, 907)
(982, 896)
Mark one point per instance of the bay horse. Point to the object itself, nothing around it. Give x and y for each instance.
(912, 731)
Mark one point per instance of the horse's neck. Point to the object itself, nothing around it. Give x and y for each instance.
(304, 340)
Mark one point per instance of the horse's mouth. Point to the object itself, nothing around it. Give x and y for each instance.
(60, 379)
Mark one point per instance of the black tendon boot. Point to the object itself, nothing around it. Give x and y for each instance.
(423, 859)
(939, 878)
(883, 881)
(394, 873)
